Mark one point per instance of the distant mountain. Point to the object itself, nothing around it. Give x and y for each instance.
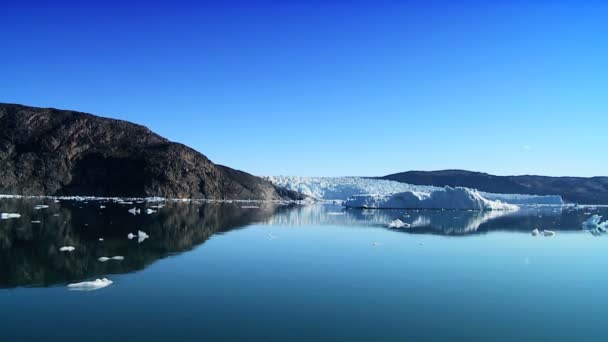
(581, 190)
(45, 151)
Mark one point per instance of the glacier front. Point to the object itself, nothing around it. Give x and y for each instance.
(445, 198)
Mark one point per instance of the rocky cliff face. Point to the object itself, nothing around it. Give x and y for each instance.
(45, 151)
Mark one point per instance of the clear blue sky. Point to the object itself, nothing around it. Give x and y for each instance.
(319, 88)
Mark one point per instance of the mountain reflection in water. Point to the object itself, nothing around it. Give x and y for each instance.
(30, 256)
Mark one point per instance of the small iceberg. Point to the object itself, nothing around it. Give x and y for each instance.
(102, 207)
(135, 211)
(67, 249)
(398, 224)
(117, 257)
(141, 236)
(90, 285)
(548, 233)
(130, 236)
(100, 239)
(35, 222)
(535, 232)
(6, 216)
(40, 206)
(150, 211)
(594, 226)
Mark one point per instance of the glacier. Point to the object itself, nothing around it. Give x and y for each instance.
(447, 198)
(356, 190)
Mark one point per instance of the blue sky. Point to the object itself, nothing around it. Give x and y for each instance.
(330, 88)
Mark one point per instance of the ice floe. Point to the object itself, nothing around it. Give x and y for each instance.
(548, 233)
(40, 206)
(117, 257)
(90, 285)
(134, 211)
(67, 249)
(150, 211)
(141, 236)
(535, 232)
(6, 216)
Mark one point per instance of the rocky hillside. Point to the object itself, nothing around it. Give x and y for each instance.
(581, 190)
(45, 151)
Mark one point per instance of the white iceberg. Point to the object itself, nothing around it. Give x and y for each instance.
(40, 206)
(130, 236)
(67, 249)
(103, 259)
(548, 233)
(594, 226)
(6, 216)
(134, 211)
(445, 198)
(90, 285)
(150, 211)
(398, 224)
(535, 232)
(35, 222)
(141, 236)
(117, 257)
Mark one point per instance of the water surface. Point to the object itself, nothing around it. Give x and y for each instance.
(320, 272)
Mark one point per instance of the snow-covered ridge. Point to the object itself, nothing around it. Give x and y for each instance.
(343, 188)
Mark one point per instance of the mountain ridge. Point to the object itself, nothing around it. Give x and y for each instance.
(48, 151)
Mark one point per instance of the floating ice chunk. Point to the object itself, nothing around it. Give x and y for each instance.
(335, 213)
(90, 285)
(103, 259)
(40, 206)
(398, 224)
(250, 207)
(102, 207)
(118, 257)
(6, 216)
(548, 233)
(100, 239)
(150, 211)
(67, 248)
(131, 236)
(535, 232)
(141, 236)
(35, 221)
(134, 211)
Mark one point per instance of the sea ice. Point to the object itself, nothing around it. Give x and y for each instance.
(150, 211)
(40, 206)
(103, 259)
(535, 232)
(67, 248)
(548, 233)
(90, 285)
(6, 216)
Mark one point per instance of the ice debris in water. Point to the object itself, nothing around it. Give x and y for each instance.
(100, 239)
(134, 211)
(90, 285)
(102, 207)
(35, 221)
(150, 211)
(141, 236)
(535, 232)
(398, 224)
(67, 248)
(40, 206)
(545, 232)
(548, 233)
(117, 257)
(10, 215)
(594, 226)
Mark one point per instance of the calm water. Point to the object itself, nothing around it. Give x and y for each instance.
(307, 273)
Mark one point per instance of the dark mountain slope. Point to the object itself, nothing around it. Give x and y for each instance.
(45, 151)
(582, 190)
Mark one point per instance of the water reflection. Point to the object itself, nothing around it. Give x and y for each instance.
(29, 245)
